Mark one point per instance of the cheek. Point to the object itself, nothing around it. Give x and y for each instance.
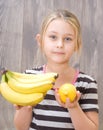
(47, 48)
(70, 47)
(48, 45)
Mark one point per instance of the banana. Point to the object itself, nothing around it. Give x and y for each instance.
(35, 78)
(39, 87)
(18, 98)
(26, 89)
(21, 75)
(31, 76)
(3, 78)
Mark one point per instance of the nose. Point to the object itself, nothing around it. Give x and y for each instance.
(59, 44)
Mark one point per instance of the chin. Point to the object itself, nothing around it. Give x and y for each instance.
(58, 61)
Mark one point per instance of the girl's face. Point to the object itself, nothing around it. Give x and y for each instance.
(59, 41)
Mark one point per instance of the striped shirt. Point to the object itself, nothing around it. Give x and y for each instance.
(49, 115)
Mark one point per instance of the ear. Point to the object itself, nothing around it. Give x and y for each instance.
(38, 39)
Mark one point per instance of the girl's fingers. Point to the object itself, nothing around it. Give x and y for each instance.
(74, 103)
(78, 95)
(17, 107)
(68, 103)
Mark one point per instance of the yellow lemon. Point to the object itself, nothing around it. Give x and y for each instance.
(67, 91)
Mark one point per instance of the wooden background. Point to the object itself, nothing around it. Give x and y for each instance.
(19, 23)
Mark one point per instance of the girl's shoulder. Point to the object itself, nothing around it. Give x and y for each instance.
(88, 88)
(83, 77)
(85, 83)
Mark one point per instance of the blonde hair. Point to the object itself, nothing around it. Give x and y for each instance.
(68, 17)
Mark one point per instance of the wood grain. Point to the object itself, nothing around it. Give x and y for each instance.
(19, 24)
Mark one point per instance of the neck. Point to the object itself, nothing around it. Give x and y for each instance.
(58, 68)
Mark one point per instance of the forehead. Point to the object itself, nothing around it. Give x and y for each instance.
(61, 26)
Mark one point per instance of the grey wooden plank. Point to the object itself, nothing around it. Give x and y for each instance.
(11, 25)
(11, 34)
(19, 23)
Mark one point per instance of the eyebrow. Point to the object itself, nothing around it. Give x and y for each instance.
(65, 33)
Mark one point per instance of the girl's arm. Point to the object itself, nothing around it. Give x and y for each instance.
(22, 117)
(81, 120)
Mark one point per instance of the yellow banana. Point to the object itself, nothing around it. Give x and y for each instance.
(21, 75)
(37, 78)
(39, 87)
(18, 98)
(31, 76)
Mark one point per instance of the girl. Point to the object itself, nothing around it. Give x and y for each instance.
(59, 39)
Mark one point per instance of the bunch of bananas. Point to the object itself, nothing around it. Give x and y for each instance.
(26, 89)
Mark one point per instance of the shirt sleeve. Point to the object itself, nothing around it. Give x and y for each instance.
(89, 97)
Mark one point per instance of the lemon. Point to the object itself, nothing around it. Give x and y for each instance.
(67, 91)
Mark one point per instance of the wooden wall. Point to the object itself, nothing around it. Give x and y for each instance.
(19, 23)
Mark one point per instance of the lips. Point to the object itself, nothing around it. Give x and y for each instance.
(58, 52)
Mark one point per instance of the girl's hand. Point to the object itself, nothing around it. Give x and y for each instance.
(22, 117)
(68, 103)
(18, 107)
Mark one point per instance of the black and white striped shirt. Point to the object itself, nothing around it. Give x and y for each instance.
(49, 115)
